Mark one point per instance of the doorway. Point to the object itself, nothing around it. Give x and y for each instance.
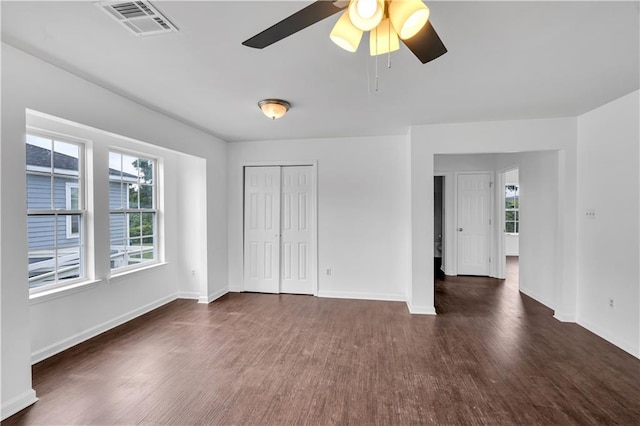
(438, 227)
(511, 229)
(279, 229)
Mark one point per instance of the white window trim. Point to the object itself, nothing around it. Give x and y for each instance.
(70, 283)
(122, 270)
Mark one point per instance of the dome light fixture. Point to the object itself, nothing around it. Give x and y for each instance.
(274, 108)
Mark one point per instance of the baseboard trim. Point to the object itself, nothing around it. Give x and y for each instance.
(598, 331)
(189, 295)
(218, 294)
(69, 342)
(564, 317)
(536, 297)
(421, 310)
(234, 289)
(20, 402)
(386, 297)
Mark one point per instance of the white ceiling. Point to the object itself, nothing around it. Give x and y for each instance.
(506, 60)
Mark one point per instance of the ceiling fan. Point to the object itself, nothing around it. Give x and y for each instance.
(387, 21)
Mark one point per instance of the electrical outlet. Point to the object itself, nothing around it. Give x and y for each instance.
(611, 302)
(328, 272)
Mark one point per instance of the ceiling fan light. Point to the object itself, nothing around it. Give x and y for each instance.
(345, 35)
(383, 39)
(274, 108)
(366, 23)
(408, 17)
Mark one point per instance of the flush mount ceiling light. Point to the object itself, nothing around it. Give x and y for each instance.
(274, 108)
(387, 21)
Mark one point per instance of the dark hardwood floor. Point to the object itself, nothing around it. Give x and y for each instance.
(491, 356)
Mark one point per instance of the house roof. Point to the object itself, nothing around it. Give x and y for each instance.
(41, 157)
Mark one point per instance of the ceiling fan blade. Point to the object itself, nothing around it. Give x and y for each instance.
(315, 12)
(426, 44)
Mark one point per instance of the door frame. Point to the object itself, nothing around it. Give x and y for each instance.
(492, 216)
(313, 209)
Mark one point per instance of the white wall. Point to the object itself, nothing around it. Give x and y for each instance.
(538, 271)
(608, 141)
(511, 244)
(494, 137)
(363, 209)
(28, 82)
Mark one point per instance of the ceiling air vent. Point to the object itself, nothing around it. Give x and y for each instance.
(139, 17)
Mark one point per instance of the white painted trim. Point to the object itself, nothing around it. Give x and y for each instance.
(387, 297)
(20, 402)
(235, 289)
(421, 310)
(562, 317)
(64, 344)
(193, 295)
(604, 334)
(208, 299)
(536, 297)
(55, 293)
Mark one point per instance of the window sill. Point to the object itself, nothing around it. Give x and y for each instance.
(513, 234)
(124, 274)
(56, 293)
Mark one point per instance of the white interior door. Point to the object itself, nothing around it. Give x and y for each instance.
(474, 198)
(279, 229)
(297, 225)
(262, 229)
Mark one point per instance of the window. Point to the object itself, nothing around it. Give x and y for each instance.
(72, 197)
(133, 214)
(512, 209)
(55, 211)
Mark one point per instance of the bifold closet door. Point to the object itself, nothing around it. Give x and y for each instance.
(279, 226)
(262, 229)
(297, 225)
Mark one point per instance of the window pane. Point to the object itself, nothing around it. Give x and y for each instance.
(65, 158)
(145, 168)
(146, 196)
(73, 197)
(68, 233)
(510, 215)
(129, 169)
(510, 227)
(148, 224)
(135, 258)
(133, 196)
(115, 164)
(134, 224)
(117, 226)
(61, 191)
(69, 263)
(117, 253)
(38, 153)
(117, 195)
(41, 232)
(38, 192)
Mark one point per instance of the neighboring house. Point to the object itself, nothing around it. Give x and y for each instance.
(44, 235)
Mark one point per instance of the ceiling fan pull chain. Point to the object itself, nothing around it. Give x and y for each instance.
(389, 45)
(376, 89)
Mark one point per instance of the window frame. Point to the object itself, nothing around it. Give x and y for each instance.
(56, 213)
(516, 210)
(154, 210)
